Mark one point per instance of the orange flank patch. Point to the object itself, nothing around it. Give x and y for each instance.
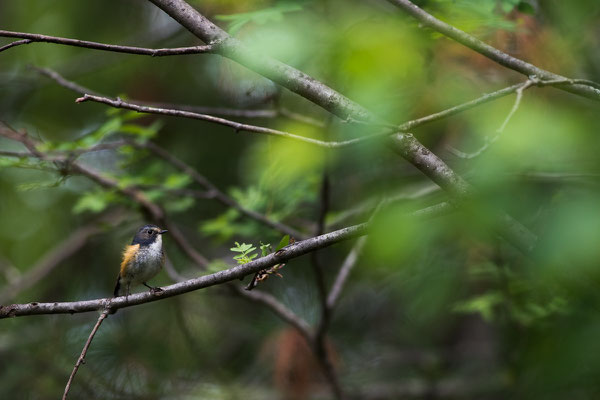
(128, 255)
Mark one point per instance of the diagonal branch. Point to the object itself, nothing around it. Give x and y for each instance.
(81, 358)
(282, 256)
(33, 37)
(344, 272)
(15, 43)
(491, 52)
(277, 307)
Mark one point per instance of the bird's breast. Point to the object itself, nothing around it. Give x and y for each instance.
(146, 264)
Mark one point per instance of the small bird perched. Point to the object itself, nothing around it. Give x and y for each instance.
(142, 260)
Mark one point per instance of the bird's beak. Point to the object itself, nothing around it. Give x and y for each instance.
(163, 231)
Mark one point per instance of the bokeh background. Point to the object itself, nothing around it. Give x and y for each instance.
(434, 308)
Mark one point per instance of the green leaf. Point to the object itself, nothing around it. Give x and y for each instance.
(265, 249)
(284, 242)
(237, 248)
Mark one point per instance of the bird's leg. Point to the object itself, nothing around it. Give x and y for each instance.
(152, 289)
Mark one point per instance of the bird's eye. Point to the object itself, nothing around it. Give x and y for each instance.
(150, 232)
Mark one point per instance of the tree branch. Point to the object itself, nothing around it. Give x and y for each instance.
(344, 272)
(492, 53)
(33, 37)
(118, 103)
(81, 358)
(15, 43)
(499, 131)
(282, 256)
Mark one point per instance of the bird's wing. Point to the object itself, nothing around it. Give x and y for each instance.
(128, 256)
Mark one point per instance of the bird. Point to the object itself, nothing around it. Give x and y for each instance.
(142, 260)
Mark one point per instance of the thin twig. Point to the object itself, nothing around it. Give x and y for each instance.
(488, 141)
(319, 342)
(81, 358)
(366, 208)
(344, 272)
(15, 43)
(118, 103)
(33, 37)
(406, 126)
(486, 98)
(316, 265)
(58, 78)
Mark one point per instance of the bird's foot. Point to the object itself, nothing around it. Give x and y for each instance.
(153, 289)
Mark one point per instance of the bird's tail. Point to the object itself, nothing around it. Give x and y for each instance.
(117, 286)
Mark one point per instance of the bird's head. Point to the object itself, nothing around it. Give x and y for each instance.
(147, 235)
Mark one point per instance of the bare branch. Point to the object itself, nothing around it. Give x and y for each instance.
(277, 307)
(81, 358)
(344, 272)
(118, 103)
(15, 43)
(282, 256)
(367, 207)
(499, 131)
(460, 108)
(492, 53)
(58, 78)
(33, 37)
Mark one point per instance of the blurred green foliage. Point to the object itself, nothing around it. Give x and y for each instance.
(432, 303)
